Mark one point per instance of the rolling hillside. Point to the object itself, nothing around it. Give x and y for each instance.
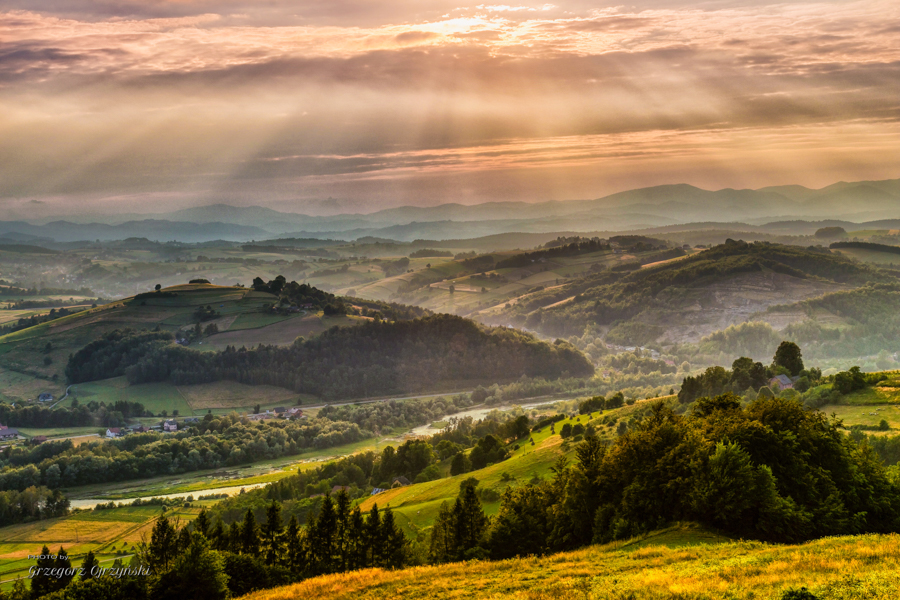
(682, 562)
(682, 301)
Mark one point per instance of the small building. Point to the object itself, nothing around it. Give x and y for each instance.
(10, 433)
(782, 381)
(339, 488)
(399, 480)
(170, 426)
(114, 432)
(38, 439)
(377, 491)
(2, 426)
(45, 397)
(192, 419)
(294, 412)
(279, 411)
(140, 429)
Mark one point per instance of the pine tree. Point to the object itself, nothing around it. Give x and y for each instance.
(294, 554)
(342, 509)
(42, 584)
(89, 562)
(249, 534)
(163, 546)
(198, 574)
(218, 537)
(394, 550)
(273, 534)
(184, 540)
(322, 538)
(234, 537)
(62, 562)
(201, 524)
(372, 538)
(356, 545)
(443, 538)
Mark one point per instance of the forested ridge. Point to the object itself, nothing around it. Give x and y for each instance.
(375, 358)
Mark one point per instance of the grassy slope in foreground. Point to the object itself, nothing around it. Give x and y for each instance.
(677, 564)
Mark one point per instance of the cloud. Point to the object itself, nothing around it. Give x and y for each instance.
(163, 97)
(414, 37)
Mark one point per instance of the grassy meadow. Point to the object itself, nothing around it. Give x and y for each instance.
(681, 563)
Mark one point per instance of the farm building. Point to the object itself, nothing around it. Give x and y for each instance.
(45, 397)
(140, 429)
(170, 425)
(9, 433)
(783, 382)
(114, 432)
(38, 439)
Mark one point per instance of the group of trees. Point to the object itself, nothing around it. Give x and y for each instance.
(771, 471)
(214, 442)
(31, 504)
(375, 358)
(26, 322)
(582, 246)
(78, 415)
(745, 374)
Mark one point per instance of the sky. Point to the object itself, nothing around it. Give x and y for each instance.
(153, 105)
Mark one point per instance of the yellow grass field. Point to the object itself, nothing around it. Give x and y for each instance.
(671, 566)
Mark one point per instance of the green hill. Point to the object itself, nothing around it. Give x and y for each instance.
(681, 563)
(683, 300)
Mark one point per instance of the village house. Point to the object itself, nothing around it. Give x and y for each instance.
(783, 382)
(45, 397)
(339, 488)
(38, 439)
(279, 411)
(140, 429)
(170, 426)
(114, 432)
(9, 433)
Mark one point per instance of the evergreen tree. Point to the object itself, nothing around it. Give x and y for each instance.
(198, 574)
(89, 562)
(471, 525)
(356, 550)
(218, 537)
(62, 562)
(234, 537)
(273, 534)
(202, 524)
(184, 539)
(372, 538)
(249, 534)
(443, 546)
(43, 584)
(342, 510)
(294, 555)
(322, 539)
(394, 551)
(163, 546)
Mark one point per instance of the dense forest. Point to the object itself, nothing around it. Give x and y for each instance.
(372, 359)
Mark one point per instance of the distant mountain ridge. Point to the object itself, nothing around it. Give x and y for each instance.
(644, 208)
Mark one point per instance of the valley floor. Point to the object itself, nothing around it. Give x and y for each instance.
(679, 563)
